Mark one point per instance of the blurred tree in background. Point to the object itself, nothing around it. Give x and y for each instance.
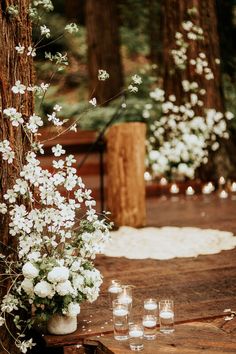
(126, 37)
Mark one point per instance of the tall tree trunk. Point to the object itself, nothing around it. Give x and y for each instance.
(13, 67)
(103, 48)
(74, 10)
(154, 30)
(175, 12)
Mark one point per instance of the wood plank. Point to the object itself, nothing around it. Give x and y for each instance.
(192, 338)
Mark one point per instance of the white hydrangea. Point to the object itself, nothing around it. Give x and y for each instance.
(43, 289)
(58, 275)
(30, 271)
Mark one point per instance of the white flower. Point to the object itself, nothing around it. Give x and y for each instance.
(30, 271)
(58, 275)
(58, 164)
(137, 79)
(31, 51)
(93, 102)
(158, 95)
(72, 28)
(44, 289)
(18, 88)
(9, 303)
(132, 88)
(2, 321)
(57, 150)
(229, 115)
(27, 286)
(20, 49)
(3, 208)
(25, 345)
(64, 288)
(15, 117)
(76, 266)
(34, 123)
(10, 196)
(57, 108)
(73, 309)
(103, 75)
(45, 31)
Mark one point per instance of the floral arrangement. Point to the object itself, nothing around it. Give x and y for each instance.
(180, 138)
(59, 234)
(52, 217)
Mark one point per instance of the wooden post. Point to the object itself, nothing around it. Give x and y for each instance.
(125, 174)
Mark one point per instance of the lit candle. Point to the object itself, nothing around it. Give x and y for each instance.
(190, 191)
(136, 333)
(206, 189)
(221, 180)
(211, 186)
(120, 312)
(163, 181)
(223, 194)
(114, 289)
(233, 187)
(174, 189)
(147, 176)
(125, 299)
(150, 306)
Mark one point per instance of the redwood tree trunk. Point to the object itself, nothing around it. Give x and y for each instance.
(103, 48)
(13, 67)
(175, 12)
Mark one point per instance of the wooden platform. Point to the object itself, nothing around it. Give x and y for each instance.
(201, 287)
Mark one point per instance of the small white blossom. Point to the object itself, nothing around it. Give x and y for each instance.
(72, 28)
(45, 31)
(20, 49)
(34, 123)
(103, 75)
(58, 150)
(132, 88)
(93, 102)
(3, 208)
(137, 79)
(19, 87)
(31, 51)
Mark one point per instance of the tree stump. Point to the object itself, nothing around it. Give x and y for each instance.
(125, 174)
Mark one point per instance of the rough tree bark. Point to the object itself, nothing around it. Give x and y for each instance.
(13, 67)
(175, 12)
(74, 11)
(103, 48)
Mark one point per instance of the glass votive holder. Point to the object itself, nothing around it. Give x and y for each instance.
(150, 307)
(166, 316)
(150, 327)
(125, 296)
(120, 320)
(136, 335)
(113, 290)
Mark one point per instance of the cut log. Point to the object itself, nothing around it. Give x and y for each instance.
(125, 174)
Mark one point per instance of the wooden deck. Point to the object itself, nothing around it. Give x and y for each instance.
(201, 287)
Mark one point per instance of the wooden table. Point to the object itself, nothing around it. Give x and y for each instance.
(201, 287)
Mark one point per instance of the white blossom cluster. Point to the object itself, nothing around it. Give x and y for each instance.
(51, 214)
(180, 139)
(55, 245)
